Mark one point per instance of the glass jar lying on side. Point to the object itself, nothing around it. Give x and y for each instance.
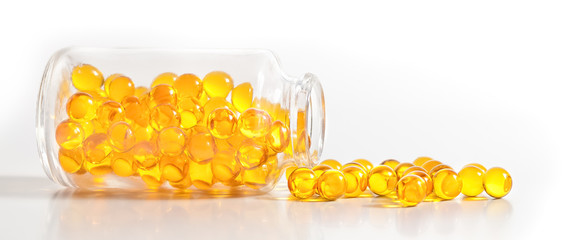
(212, 120)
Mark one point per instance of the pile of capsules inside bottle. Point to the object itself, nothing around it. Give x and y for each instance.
(182, 130)
(407, 183)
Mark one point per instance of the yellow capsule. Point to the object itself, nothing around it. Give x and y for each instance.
(356, 180)
(81, 107)
(71, 160)
(211, 105)
(478, 165)
(222, 123)
(355, 164)
(421, 160)
(367, 164)
(320, 168)
(120, 88)
(162, 94)
(411, 190)
(171, 141)
(279, 137)
(392, 163)
(332, 163)
(331, 185)
(201, 175)
(100, 168)
(123, 165)
(146, 155)
(382, 180)
(201, 147)
(135, 111)
(242, 96)
(401, 168)
(109, 113)
(152, 177)
(251, 154)
(86, 77)
(87, 127)
(497, 182)
(185, 183)
(203, 98)
(144, 133)
(108, 81)
(69, 134)
(262, 176)
(437, 168)
(218, 84)
(191, 112)
(167, 78)
(290, 169)
(430, 164)
(121, 136)
(163, 116)
(188, 85)
(447, 184)
(472, 180)
(254, 123)
(174, 168)
(426, 178)
(225, 167)
(96, 148)
(140, 92)
(412, 169)
(302, 183)
(235, 182)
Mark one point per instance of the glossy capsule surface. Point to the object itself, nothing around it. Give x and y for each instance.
(320, 168)
(121, 136)
(392, 163)
(401, 168)
(331, 185)
(120, 87)
(447, 184)
(421, 160)
(86, 77)
(367, 164)
(356, 180)
(242, 96)
(279, 136)
(166, 78)
(382, 180)
(472, 180)
(430, 164)
(69, 134)
(497, 182)
(302, 183)
(225, 167)
(332, 163)
(188, 85)
(254, 123)
(427, 179)
(251, 154)
(218, 84)
(222, 123)
(411, 190)
(171, 141)
(81, 107)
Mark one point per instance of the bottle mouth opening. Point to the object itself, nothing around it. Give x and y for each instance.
(309, 128)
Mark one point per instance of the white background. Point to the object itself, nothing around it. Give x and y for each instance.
(489, 82)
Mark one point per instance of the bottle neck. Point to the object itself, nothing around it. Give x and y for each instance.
(307, 120)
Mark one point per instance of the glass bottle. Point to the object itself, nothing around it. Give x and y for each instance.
(217, 121)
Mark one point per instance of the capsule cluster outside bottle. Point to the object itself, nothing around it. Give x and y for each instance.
(407, 183)
(182, 130)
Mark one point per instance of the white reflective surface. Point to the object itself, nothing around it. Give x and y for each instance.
(34, 208)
